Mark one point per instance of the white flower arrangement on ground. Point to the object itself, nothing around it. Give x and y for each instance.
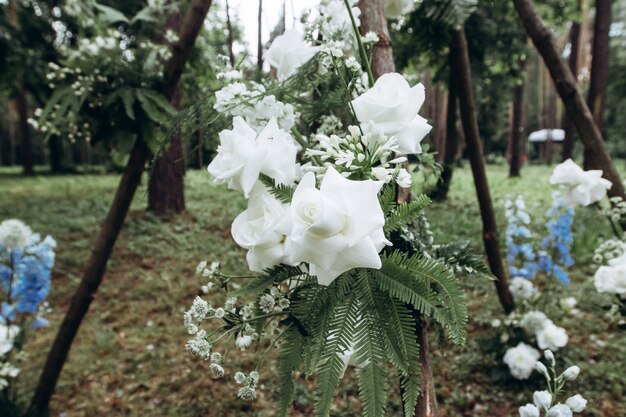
(328, 287)
(545, 403)
(579, 187)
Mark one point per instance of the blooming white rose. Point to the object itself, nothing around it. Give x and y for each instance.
(14, 234)
(255, 229)
(542, 399)
(335, 228)
(242, 155)
(552, 337)
(534, 321)
(288, 52)
(521, 360)
(396, 8)
(521, 288)
(579, 187)
(577, 403)
(528, 410)
(611, 279)
(7, 337)
(392, 105)
(560, 410)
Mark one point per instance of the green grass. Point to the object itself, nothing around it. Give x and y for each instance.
(129, 358)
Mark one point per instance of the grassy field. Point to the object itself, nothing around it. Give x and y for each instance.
(129, 358)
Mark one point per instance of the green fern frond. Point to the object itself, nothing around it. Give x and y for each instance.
(406, 213)
(462, 259)
(369, 351)
(275, 275)
(338, 339)
(387, 198)
(283, 193)
(290, 360)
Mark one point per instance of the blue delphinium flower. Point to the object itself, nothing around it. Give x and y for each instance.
(25, 270)
(521, 257)
(555, 255)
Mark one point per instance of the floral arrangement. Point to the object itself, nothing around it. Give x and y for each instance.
(340, 270)
(529, 325)
(546, 401)
(26, 262)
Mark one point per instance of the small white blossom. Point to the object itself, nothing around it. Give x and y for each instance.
(243, 342)
(542, 399)
(247, 393)
(267, 303)
(577, 403)
(521, 360)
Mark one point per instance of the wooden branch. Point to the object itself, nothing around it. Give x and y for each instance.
(596, 153)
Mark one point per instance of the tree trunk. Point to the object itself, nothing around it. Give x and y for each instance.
(589, 132)
(57, 154)
(259, 46)
(166, 188)
(110, 229)
(599, 66)
(229, 28)
(568, 124)
(26, 153)
(451, 140)
(373, 19)
(518, 123)
(477, 161)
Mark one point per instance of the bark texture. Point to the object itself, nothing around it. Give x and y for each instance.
(166, 188)
(568, 123)
(518, 123)
(26, 152)
(373, 20)
(477, 162)
(596, 153)
(110, 229)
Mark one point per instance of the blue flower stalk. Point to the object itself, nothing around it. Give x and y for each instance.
(555, 255)
(521, 257)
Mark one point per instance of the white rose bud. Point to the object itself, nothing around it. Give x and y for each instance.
(549, 356)
(571, 373)
(541, 368)
(528, 410)
(542, 399)
(577, 403)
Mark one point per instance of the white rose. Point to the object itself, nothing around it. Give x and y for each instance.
(542, 399)
(335, 228)
(288, 52)
(552, 337)
(255, 229)
(611, 279)
(7, 337)
(521, 288)
(392, 105)
(560, 410)
(396, 8)
(577, 403)
(242, 156)
(579, 187)
(521, 360)
(528, 410)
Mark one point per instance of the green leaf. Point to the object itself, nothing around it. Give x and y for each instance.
(290, 360)
(128, 99)
(283, 193)
(144, 15)
(405, 214)
(387, 198)
(155, 106)
(110, 15)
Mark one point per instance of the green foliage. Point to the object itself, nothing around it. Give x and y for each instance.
(405, 214)
(283, 193)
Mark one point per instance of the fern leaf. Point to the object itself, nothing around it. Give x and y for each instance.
(283, 193)
(405, 213)
(273, 275)
(290, 360)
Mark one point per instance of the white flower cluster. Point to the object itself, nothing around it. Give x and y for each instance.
(545, 401)
(253, 106)
(249, 384)
(521, 358)
(14, 234)
(617, 209)
(612, 277)
(522, 289)
(333, 20)
(274, 301)
(579, 187)
(8, 334)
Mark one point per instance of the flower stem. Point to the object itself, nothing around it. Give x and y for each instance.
(362, 54)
